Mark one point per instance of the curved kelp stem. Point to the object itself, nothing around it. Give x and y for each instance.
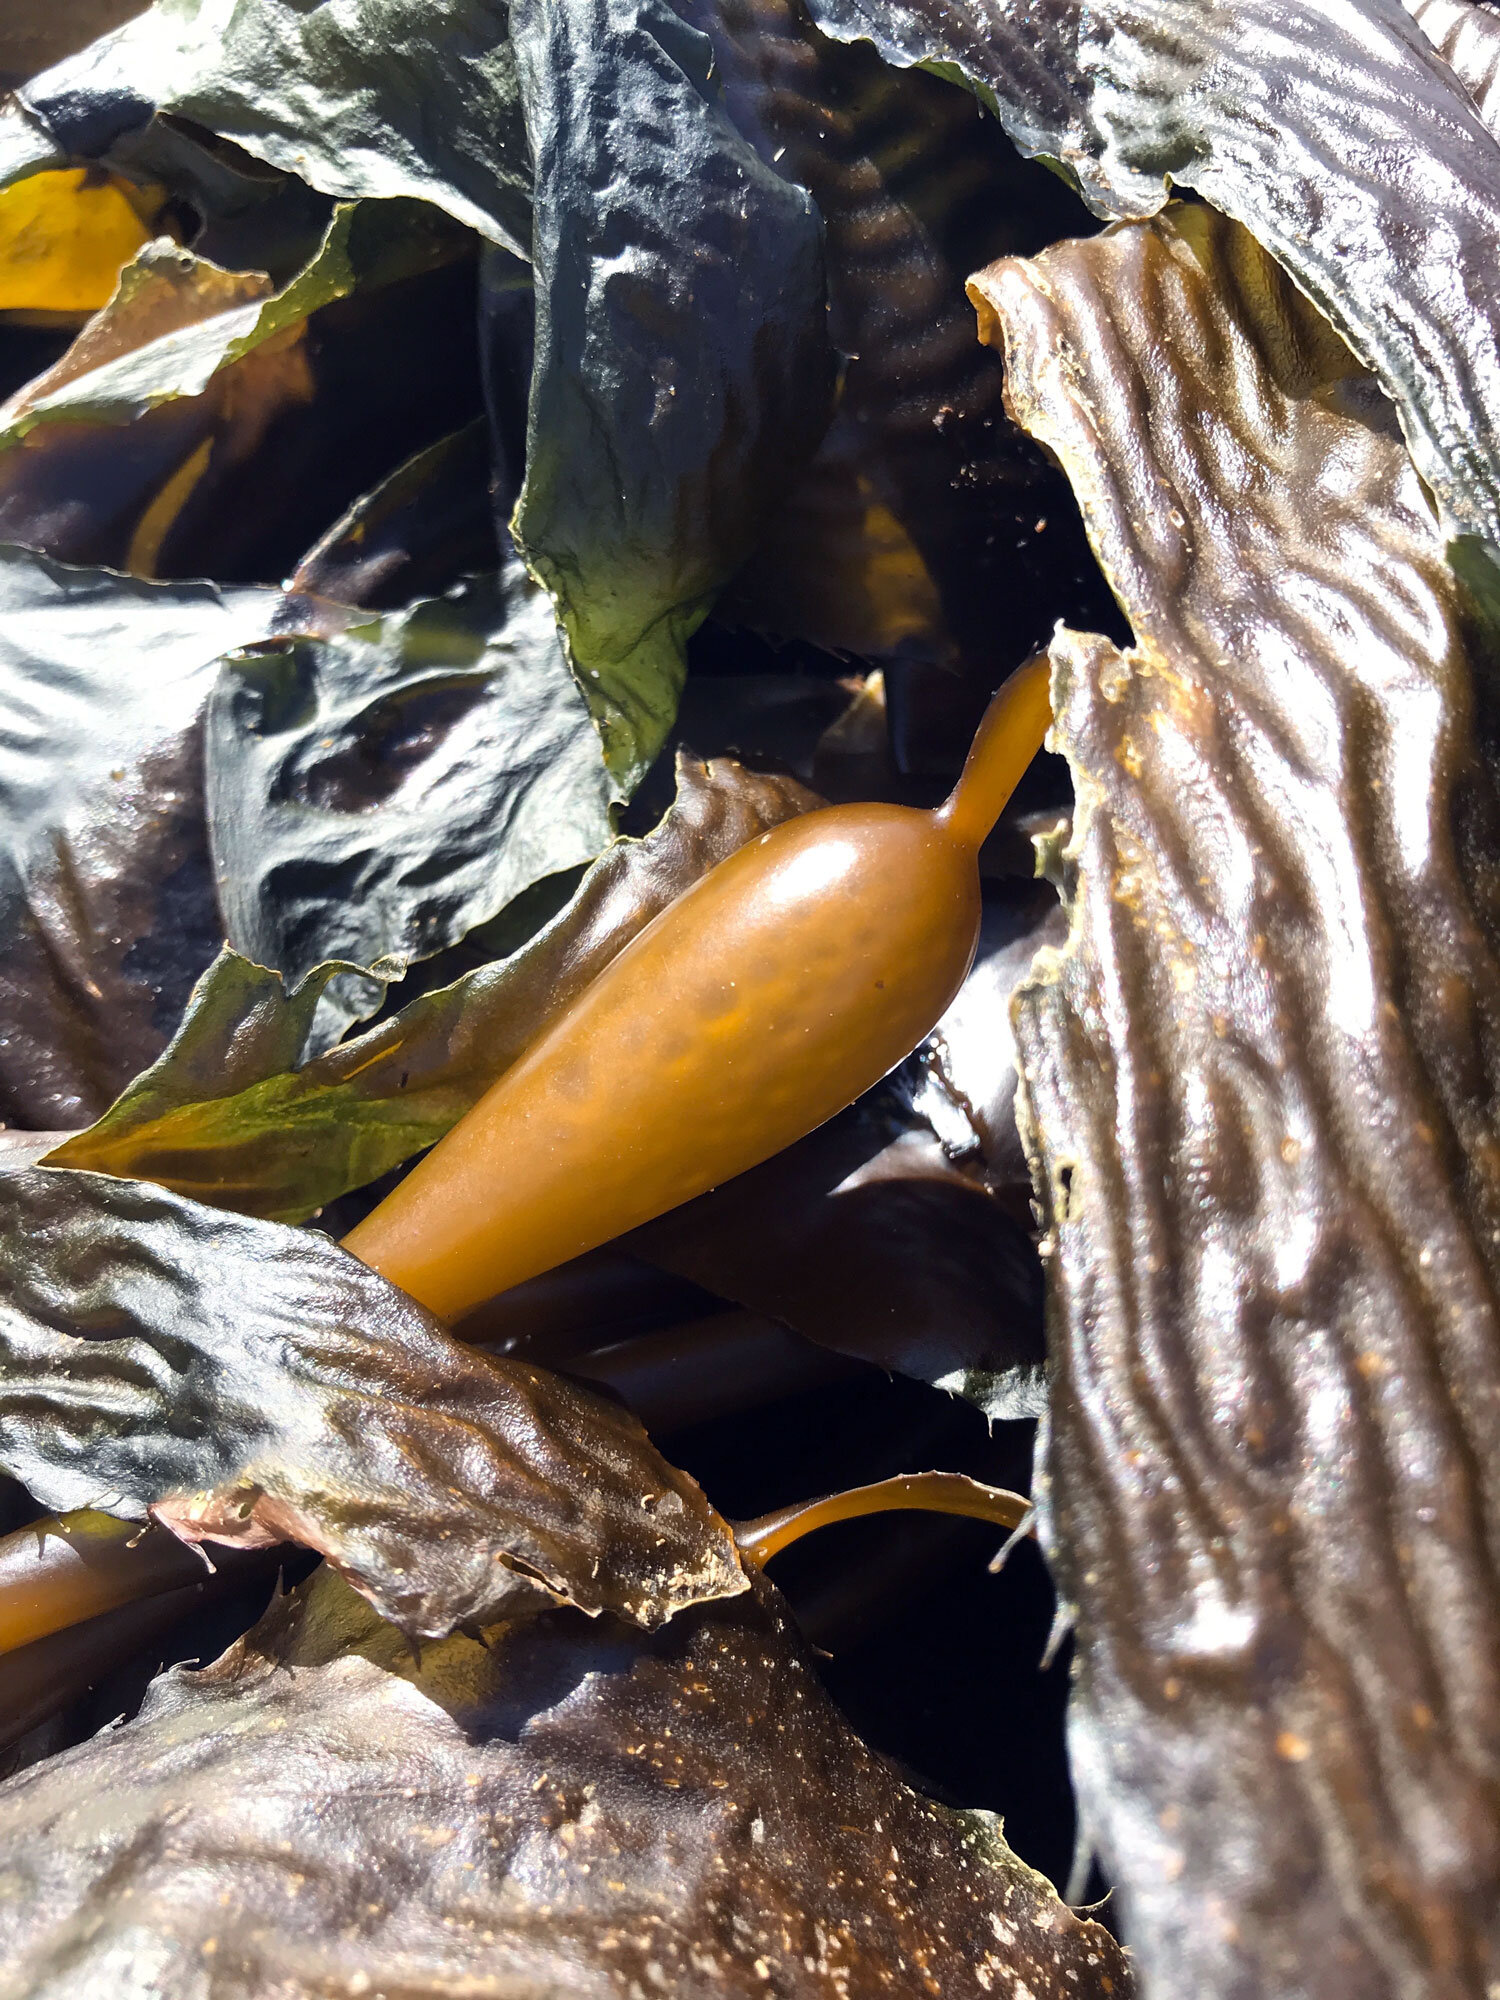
(69, 1567)
(1013, 729)
(923, 1492)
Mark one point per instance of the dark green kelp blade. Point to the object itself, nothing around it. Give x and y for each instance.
(684, 372)
(342, 96)
(379, 793)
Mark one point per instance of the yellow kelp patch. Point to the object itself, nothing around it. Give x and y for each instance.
(65, 236)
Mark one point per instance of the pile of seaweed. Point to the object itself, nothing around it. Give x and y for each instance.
(468, 468)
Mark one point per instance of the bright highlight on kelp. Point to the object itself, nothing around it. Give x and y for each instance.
(64, 238)
(781, 986)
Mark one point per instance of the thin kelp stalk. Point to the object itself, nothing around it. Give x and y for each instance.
(59, 1571)
(924, 1492)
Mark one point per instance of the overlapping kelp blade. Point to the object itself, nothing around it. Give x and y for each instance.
(866, 1239)
(244, 1382)
(684, 372)
(923, 503)
(1262, 1080)
(667, 418)
(1467, 37)
(1374, 181)
(342, 95)
(593, 1813)
(229, 1117)
(122, 369)
(107, 912)
(381, 792)
(150, 444)
(41, 1681)
(161, 292)
(417, 533)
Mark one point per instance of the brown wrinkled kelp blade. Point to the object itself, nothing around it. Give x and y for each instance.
(1262, 1083)
(1331, 131)
(571, 1810)
(247, 1383)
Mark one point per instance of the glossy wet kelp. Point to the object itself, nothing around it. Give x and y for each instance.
(1260, 1089)
(667, 303)
(595, 1811)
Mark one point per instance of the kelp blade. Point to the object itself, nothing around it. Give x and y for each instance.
(1261, 1084)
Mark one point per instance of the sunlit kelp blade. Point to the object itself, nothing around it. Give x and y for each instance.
(1467, 37)
(151, 363)
(151, 444)
(230, 1117)
(1261, 1082)
(1374, 174)
(592, 1804)
(630, 136)
(341, 95)
(37, 33)
(162, 291)
(65, 236)
(249, 1383)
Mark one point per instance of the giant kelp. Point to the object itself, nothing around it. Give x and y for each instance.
(1261, 1085)
(665, 301)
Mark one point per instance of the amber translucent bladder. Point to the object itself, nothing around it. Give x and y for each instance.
(785, 983)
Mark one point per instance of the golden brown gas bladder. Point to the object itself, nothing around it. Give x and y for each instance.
(781, 986)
